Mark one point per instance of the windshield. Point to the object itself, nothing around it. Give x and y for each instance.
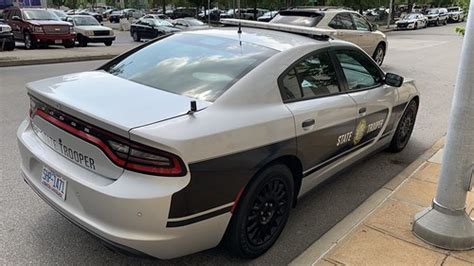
(453, 9)
(297, 19)
(164, 23)
(410, 17)
(39, 15)
(194, 22)
(194, 65)
(86, 21)
(433, 11)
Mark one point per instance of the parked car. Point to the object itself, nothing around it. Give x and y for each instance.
(158, 16)
(35, 27)
(250, 13)
(116, 15)
(455, 14)
(437, 16)
(412, 21)
(149, 28)
(228, 14)
(7, 41)
(107, 12)
(342, 24)
(267, 16)
(59, 13)
(89, 30)
(189, 141)
(189, 24)
(183, 12)
(97, 16)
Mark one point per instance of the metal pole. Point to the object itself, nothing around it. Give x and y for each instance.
(209, 12)
(446, 224)
(390, 12)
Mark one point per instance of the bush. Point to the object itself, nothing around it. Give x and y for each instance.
(460, 30)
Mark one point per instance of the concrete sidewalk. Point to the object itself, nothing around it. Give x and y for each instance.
(379, 231)
(58, 54)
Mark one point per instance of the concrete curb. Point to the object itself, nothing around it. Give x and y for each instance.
(331, 238)
(12, 61)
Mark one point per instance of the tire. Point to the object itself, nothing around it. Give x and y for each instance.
(108, 43)
(437, 22)
(82, 41)
(30, 43)
(379, 54)
(416, 26)
(68, 44)
(445, 22)
(135, 36)
(9, 46)
(404, 128)
(261, 213)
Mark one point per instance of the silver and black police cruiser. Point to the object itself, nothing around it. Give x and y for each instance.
(208, 136)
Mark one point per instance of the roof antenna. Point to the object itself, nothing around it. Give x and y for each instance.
(239, 31)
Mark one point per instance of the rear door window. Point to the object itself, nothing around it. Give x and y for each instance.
(360, 23)
(312, 77)
(342, 21)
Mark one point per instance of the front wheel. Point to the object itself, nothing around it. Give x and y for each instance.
(261, 213)
(404, 128)
(108, 43)
(30, 43)
(416, 26)
(379, 54)
(135, 36)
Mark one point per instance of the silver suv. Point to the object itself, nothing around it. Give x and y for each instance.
(342, 24)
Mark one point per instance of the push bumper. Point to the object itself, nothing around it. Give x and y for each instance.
(130, 213)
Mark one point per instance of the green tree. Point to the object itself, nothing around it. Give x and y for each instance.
(58, 3)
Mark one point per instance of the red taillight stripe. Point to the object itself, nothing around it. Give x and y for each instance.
(83, 135)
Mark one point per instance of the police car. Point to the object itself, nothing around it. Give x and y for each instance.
(208, 136)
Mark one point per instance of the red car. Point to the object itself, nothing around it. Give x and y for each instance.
(39, 27)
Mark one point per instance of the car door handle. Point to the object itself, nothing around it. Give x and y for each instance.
(362, 111)
(308, 123)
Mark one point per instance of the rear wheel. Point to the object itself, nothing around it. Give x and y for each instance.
(379, 54)
(68, 44)
(404, 128)
(30, 43)
(261, 213)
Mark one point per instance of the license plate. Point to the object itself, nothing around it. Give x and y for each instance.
(54, 182)
(58, 41)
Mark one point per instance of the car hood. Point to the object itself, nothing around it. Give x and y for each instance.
(92, 28)
(49, 22)
(109, 101)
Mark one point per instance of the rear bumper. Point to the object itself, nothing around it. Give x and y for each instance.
(130, 213)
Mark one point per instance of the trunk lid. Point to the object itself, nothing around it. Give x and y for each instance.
(72, 108)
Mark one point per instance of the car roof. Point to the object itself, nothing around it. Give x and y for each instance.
(273, 39)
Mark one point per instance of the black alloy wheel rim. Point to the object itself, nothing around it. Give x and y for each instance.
(406, 127)
(267, 213)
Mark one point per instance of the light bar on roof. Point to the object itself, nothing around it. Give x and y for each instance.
(321, 33)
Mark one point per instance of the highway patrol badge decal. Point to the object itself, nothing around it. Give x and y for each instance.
(360, 131)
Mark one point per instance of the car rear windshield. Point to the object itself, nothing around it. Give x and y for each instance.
(298, 18)
(195, 65)
(39, 15)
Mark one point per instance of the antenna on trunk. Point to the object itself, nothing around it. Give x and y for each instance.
(193, 108)
(239, 31)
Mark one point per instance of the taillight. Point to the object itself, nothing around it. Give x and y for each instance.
(122, 152)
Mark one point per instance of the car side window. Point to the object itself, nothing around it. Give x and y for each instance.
(313, 77)
(360, 71)
(342, 21)
(360, 23)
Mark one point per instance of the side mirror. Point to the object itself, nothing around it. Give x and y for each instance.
(374, 27)
(393, 80)
(16, 18)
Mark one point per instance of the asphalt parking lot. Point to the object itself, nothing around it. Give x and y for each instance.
(33, 233)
